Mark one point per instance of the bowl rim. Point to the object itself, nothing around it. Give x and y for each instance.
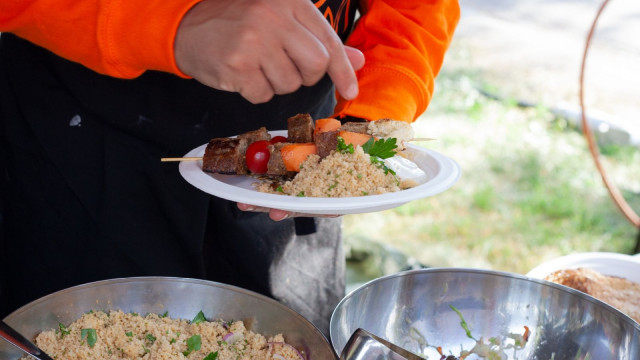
(150, 279)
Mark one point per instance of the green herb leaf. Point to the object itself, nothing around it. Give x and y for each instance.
(164, 315)
(211, 356)
(63, 330)
(90, 335)
(300, 194)
(129, 333)
(381, 148)
(463, 323)
(193, 344)
(342, 147)
(150, 338)
(199, 318)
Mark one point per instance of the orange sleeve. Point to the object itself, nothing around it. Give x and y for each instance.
(108, 36)
(404, 42)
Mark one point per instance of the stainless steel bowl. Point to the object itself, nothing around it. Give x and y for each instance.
(416, 310)
(182, 298)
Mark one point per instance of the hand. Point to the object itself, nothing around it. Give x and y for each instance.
(278, 215)
(260, 48)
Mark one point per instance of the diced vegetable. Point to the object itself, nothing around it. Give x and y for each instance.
(326, 124)
(356, 139)
(295, 154)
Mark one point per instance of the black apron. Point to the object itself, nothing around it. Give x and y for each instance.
(85, 196)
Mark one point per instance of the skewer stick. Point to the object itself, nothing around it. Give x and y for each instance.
(196, 158)
(181, 159)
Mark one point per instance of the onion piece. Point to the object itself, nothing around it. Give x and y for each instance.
(231, 338)
(290, 346)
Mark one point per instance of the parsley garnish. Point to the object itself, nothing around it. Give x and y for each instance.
(129, 333)
(279, 189)
(150, 338)
(380, 149)
(343, 147)
(91, 336)
(193, 344)
(199, 318)
(300, 194)
(164, 315)
(211, 356)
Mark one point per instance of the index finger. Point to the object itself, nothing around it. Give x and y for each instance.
(340, 69)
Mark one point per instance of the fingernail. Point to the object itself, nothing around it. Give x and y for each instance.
(352, 92)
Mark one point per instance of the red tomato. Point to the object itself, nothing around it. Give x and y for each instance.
(278, 139)
(257, 156)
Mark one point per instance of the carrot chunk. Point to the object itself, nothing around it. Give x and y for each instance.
(326, 124)
(295, 154)
(356, 139)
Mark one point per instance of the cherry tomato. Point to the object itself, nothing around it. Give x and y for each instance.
(257, 156)
(278, 139)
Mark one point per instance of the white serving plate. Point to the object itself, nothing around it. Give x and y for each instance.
(442, 173)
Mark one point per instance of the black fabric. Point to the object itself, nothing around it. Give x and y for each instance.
(86, 197)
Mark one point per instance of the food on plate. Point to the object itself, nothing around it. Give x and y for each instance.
(119, 335)
(321, 159)
(618, 292)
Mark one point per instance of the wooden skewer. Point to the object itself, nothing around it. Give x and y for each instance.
(196, 158)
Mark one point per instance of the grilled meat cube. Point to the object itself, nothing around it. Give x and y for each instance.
(326, 142)
(255, 135)
(225, 156)
(356, 127)
(300, 128)
(275, 166)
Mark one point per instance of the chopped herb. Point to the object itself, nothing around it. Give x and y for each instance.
(211, 356)
(164, 315)
(300, 194)
(359, 176)
(172, 341)
(279, 189)
(343, 148)
(90, 335)
(63, 330)
(129, 333)
(146, 351)
(199, 318)
(150, 338)
(364, 193)
(89, 312)
(134, 313)
(193, 344)
(332, 186)
(463, 323)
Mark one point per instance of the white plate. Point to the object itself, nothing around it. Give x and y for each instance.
(614, 264)
(442, 171)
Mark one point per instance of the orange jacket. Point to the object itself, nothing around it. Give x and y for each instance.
(404, 42)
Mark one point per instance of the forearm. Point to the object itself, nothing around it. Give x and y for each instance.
(110, 37)
(404, 43)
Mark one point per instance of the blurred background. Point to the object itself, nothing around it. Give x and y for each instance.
(506, 108)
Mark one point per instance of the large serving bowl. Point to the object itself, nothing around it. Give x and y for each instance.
(415, 309)
(182, 298)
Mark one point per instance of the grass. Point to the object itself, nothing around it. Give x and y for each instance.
(529, 190)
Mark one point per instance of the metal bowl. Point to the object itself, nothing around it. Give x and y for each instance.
(182, 298)
(417, 311)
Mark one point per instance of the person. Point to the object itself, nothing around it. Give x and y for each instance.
(94, 93)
